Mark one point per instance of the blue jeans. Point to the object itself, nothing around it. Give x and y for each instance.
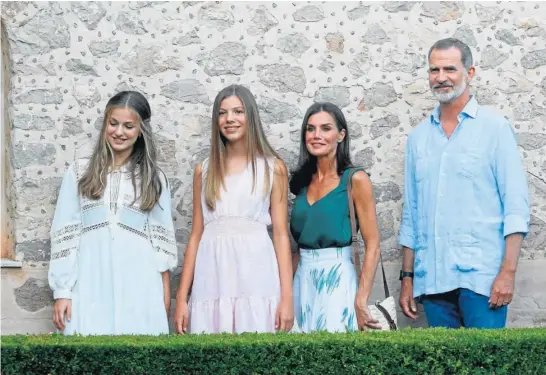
(462, 308)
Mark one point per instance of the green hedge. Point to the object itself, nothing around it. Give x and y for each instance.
(410, 351)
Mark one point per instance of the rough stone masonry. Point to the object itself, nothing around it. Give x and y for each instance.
(68, 58)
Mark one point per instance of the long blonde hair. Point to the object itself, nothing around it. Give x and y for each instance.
(143, 157)
(256, 144)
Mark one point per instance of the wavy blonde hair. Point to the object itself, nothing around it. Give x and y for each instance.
(142, 162)
(256, 144)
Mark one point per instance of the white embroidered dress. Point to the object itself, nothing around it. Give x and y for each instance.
(236, 285)
(107, 257)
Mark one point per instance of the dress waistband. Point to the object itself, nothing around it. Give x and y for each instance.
(330, 254)
(234, 225)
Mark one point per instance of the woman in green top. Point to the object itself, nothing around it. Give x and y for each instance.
(327, 294)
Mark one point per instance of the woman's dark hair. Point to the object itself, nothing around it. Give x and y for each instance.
(307, 163)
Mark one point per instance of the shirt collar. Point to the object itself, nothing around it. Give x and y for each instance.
(470, 110)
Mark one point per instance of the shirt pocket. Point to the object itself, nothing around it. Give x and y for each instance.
(465, 252)
(469, 165)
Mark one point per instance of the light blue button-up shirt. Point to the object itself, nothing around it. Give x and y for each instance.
(462, 196)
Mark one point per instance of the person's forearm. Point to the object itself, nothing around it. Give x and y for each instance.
(407, 262)
(188, 268)
(284, 260)
(511, 253)
(371, 258)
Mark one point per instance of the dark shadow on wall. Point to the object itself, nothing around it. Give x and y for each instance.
(7, 231)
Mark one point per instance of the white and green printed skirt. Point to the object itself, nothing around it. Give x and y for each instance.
(325, 288)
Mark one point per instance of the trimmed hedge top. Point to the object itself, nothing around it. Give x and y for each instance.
(409, 351)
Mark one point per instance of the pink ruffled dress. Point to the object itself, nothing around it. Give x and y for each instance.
(236, 285)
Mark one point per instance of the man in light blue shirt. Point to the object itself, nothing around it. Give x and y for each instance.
(466, 203)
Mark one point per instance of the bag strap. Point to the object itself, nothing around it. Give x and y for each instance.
(392, 324)
(354, 237)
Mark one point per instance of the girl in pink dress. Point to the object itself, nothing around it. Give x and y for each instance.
(240, 280)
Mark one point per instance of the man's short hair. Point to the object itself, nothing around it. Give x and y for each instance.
(466, 53)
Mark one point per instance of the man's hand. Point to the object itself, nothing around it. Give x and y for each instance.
(502, 290)
(407, 303)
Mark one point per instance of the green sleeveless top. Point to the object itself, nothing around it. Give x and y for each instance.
(325, 223)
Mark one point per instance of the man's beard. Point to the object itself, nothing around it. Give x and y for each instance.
(449, 97)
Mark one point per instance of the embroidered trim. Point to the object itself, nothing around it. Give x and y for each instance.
(80, 166)
(62, 254)
(88, 206)
(115, 184)
(65, 234)
(128, 203)
(163, 238)
(95, 226)
(135, 209)
(162, 230)
(165, 251)
(66, 229)
(159, 232)
(133, 230)
(77, 170)
(57, 241)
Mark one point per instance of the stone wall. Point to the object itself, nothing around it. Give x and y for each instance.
(68, 58)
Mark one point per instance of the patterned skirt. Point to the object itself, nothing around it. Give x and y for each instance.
(325, 288)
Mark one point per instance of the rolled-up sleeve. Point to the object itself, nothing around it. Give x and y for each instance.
(407, 228)
(511, 182)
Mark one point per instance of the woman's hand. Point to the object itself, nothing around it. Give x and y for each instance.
(284, 318)
(363, 317)
(181, 315)
(62, 306)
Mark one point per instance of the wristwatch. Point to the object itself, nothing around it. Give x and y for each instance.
(405, 274)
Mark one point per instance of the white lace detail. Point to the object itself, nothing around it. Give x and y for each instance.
(80, 166)
(77, 170)
(114, 190)
(128, 203)
(133, 230)
(163, 240)
(95, 226)
(165, 251)
(160, 233)
(62, 254)
(65, 234)
(91, 204)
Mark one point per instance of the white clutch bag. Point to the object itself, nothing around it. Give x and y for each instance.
(385, 313)
(382, 311)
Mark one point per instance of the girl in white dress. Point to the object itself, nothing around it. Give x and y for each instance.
(240, 280)
(112, 238)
